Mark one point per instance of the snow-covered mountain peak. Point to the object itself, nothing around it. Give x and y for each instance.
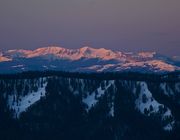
(4, 59)
(50, 49)
(146, 54)
(18, 53)
(53, 50)
(101, 53)
(86, 48)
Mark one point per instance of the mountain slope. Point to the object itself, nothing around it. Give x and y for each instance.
(67, 106)
(85, 59)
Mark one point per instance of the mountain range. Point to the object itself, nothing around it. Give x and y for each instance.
(85, 59)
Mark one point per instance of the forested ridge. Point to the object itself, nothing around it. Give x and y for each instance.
(89, 106)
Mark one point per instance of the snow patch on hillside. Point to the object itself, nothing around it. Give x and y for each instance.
(147, 105)
(92, 98)
(24, 102)
(112, 110)
(166, 89)
(177, 87)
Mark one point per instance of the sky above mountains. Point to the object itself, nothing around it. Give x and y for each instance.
(126, 25)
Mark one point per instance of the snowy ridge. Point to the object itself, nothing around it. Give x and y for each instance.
(76, 54)
(147, 105)
(63, 53)
(24, 102)
(157, 65)
(153, 65)
(86, 59)
(92, 98)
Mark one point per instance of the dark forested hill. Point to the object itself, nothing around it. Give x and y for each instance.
(89, 106)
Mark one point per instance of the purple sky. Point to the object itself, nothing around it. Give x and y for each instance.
(127, 25)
